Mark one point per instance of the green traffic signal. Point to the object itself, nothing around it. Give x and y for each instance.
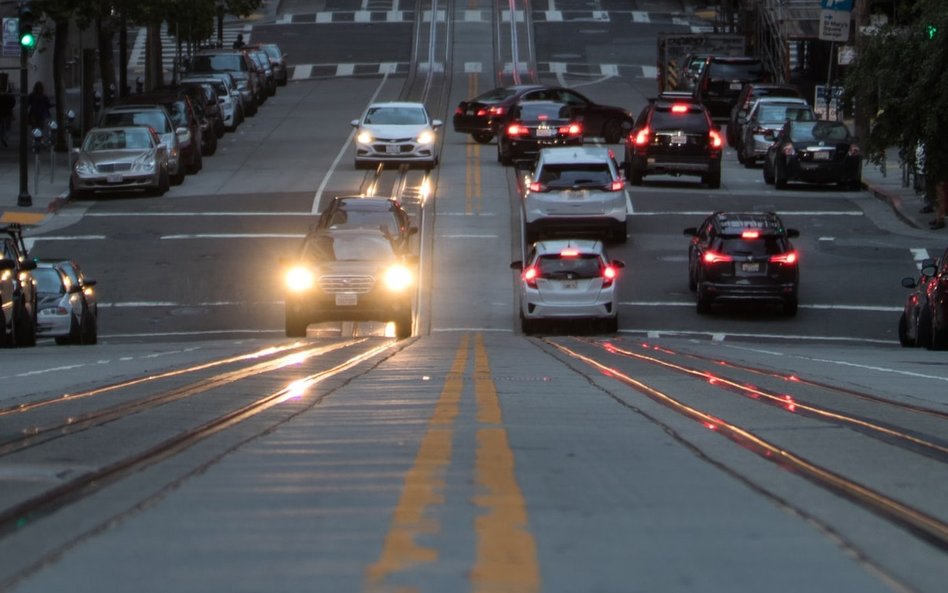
(931, 30)
(27, 40)
(26, 18)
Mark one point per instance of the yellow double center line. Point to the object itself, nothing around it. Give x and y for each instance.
(506, 552)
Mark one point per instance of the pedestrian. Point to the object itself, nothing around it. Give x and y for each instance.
(38, 107)
(239, 43)
(941, 205)
(7, 103)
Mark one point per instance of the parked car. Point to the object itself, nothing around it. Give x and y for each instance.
(17, 289)
(362, 212)
(228, 102)
(764, 120)
(263, 62)
(204, 113)
(722, 79)
(396, 132)
(741, 257)
(573, 191)
(239, 65)
(277, 62)
(349, 275)
(674, 137)
(182, 113)
(915, 323)
(64, 313)
(206, 99)
(156, 117)
(814, 152)
(568, 279)
(750, 92)
(531, 125)
(120, 159)
(930, 309)
(482, 115)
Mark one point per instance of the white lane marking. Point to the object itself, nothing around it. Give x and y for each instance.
(640, 16)
(342, 150)
(780, 212)
(468, 236)
(234, 236)
(657, 333)
(470, 329)
(628, 205)
(919, 255)
(57, 369)
(817, 306)
(649, 72)
(189, 214)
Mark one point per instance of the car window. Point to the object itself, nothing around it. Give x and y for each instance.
(495, 95)
(735, 71)
(575, 174)
(535, 111)
(692, 121)
(395, 116)
(48, 280)
(363, 219)
(217, 63)
(554, 266)
(178, 113)
(826, 131)
(348, 248)
(773, 114)
(572, 98)
(766, 245)
(151, 119)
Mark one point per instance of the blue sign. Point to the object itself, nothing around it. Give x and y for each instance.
(841, 5)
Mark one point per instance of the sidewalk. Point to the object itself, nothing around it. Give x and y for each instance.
(47, 195)
(905, 203)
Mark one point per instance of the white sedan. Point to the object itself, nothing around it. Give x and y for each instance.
(396, 132)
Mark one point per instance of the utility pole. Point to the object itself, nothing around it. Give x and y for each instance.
(27, 43)
(220, 23)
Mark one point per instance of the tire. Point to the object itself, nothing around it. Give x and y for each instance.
(702, 303)
(611, 325)
(779, 182)
(790, 307)
(713, 179)
(612, 131)
(528, 327)
(75, 332)
(24, 326)
(939, 340)
(502, 156)
(923, 328)
(768, 175)
(89, 334)
(77, 194)
(295, 326)
(904, 340)
(482, 137)
(403, 326)
(692, 281)
(635, 175)
(163, 184)
(4, 342)
(211, 147)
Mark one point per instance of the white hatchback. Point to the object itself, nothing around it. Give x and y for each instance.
(568, 279)
(396, 132)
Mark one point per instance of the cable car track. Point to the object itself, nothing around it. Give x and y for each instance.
(920, 523)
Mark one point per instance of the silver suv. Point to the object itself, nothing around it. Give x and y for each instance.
(574, 190)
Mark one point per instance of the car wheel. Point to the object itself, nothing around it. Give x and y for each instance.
(211, 144)
(790, 307)
(749, 163)
(528, 327)
(635, 175)
(295, 326)
(24, 326)
(482, 137)
(939, 340)
(90, 330)
(75, 332)
(611, 325)
(163, 184)
(780, 182)
(503, 156)
(904, 340)
(702, 303)
(4, 341)
(76, 194)
(713, 179)
(177, 179)
(692, 280)
(768, 175)
(612, 131)
(923, 328)
(403, 326)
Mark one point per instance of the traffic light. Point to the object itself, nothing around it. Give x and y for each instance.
(930, 31)
(27, 37)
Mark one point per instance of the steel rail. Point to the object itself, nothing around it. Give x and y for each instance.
(915, 521)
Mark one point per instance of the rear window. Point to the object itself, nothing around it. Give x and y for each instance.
(766, 245)
(48, 280)
(363, 219)
(538, 111)
(736, 70)
(774, 114)
(693, 120)
(556, 267)
(827, 131)
(152, 119)
(575, 175)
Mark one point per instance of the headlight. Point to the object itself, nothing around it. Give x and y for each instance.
(426, 137)
(364, 137)
(299, 279)
(144, 164)
(85, 167)
(398, 278)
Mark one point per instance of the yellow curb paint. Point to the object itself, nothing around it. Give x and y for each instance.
(424, 485)
(506, 551)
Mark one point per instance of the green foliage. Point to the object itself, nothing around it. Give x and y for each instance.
(900, 78)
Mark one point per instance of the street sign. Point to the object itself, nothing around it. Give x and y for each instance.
(11, 37)
(834, 19)
(839, 5)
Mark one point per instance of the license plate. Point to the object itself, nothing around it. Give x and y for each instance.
(821, 155)
(678, 139)
(115, 178)
(735, 86)
(750, 267)
(470, 112)
(569, 285)
(545, 132)
(575, 195)
(346, 299)
(393, 149)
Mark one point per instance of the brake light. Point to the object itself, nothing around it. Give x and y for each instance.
(608, 276)
(788, 150)
(543, 117)
(530, 277)
(750, 235)
(571, 130)
(643, 136)
(784, 258)
(679, 108)
(716, 140)
(569, 253)
(482, 112)
(713, 257)
(516, 130)
(458, 111)
(496, 110)
(537, 186)
(616, 185)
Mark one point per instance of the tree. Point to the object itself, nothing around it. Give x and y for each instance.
(899, 78)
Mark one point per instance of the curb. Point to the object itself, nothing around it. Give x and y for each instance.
(893, 200)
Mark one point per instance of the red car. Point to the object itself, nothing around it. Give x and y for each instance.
(924, 321)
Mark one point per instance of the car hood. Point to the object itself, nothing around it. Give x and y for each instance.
(390, 131)
(117, 156)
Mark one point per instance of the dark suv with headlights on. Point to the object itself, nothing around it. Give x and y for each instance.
(741, 257)
(722, 79)
(369, 212)
(17, 289)
(674, 137)
(349, 275)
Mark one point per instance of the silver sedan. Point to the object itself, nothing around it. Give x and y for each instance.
(396, 132)
(120, 158)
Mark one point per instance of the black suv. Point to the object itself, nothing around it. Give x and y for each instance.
(17, 290)
(722, 79)
(674, 137)
(743, 256)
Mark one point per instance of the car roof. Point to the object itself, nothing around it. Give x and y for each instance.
(366, 202)
(555, 246)
(737, 222)
(573, 154)
(397, 104)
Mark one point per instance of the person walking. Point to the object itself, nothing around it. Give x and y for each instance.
(38, 107)
(239, 42)
(7, 103)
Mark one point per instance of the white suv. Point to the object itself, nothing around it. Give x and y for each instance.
(574, 190)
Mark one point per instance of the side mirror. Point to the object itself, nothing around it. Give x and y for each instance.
(691, 231)
(354, 123)
(908, 282)
(792, 233)
(436, 123)
(516, 265)
(28, 265)
(929, 270)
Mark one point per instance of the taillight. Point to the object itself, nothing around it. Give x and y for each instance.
(496, 111)
(482, 112)
(571, 130)
(750, 235)
(458, 111)
(784, 258)
(679, 108)
(515, 130)
(569, 252)
(643, 136)
(608, 276)
(537, 186)
(853, 150)
(788, 150)
(530, 277)
(713, 257)
(616, 185)
(716, 140)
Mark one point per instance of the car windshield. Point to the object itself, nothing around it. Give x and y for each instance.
(555, 266)
(395, 116)
(117, 140)
(692, 121)
(773, 114)
(495, 95)
(48, 280)
(217, 63)
(541, 111)
(178, 113)
(766, 245)
(575, 175)
(825, 131)
(735, 70)
(152, 119)
(323, 247)
(366, 219)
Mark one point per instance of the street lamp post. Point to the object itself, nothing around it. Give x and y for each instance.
(220, 23)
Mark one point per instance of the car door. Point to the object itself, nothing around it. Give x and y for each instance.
(593, 116)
